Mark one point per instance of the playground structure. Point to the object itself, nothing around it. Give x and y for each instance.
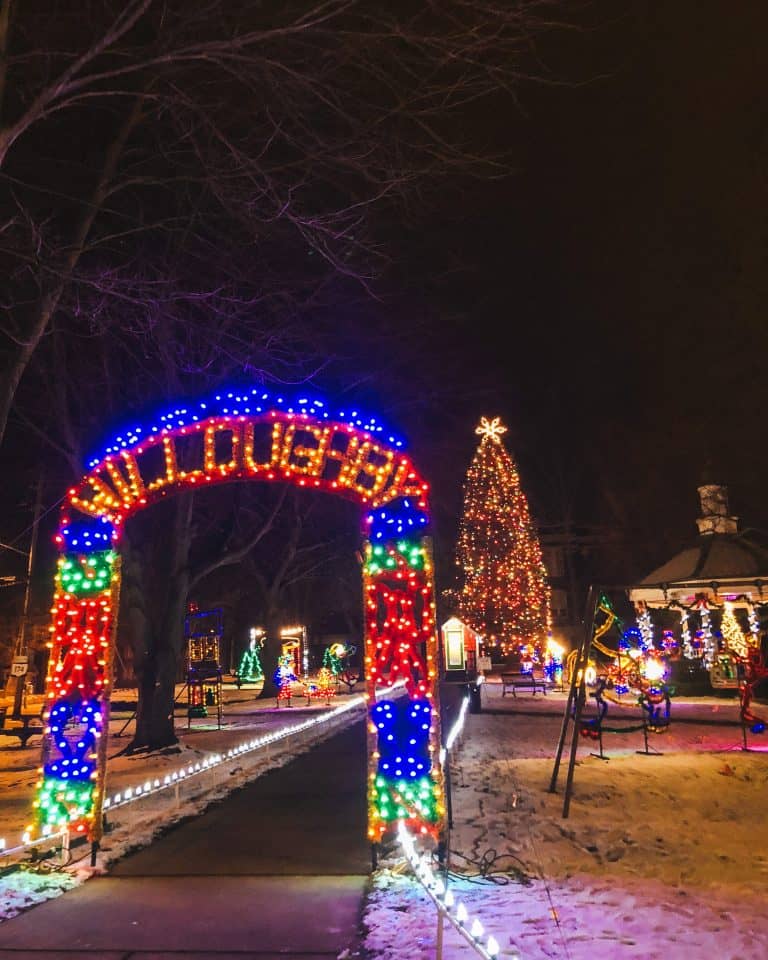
(203, 630)
(294, 647)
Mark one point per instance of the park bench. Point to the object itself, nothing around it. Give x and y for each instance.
(23, 727)
(524, 681)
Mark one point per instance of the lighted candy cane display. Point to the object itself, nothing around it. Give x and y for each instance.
(237, 436)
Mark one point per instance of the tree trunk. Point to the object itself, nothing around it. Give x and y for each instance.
(157, 689)
(270, 651)
(5, 31)
(159, 670)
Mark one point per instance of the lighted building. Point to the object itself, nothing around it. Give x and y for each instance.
(716, 585)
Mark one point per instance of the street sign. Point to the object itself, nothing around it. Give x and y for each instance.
(483, 663)
(19, 666)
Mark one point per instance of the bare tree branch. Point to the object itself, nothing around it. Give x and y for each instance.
(233, 557)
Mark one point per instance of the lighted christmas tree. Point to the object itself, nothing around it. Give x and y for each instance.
(332, 660)
(504, 593)
(250, 669)
(731, 632)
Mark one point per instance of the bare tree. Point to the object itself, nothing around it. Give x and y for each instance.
(185, 189)
(306, 114)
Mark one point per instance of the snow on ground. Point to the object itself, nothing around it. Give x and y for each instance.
(26, 887)
(662, 856)
(136, 824)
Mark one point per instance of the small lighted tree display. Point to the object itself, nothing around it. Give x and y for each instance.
(250, 669)
(332, 660)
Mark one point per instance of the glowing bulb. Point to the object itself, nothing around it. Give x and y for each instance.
(654, 670)
(461, 914)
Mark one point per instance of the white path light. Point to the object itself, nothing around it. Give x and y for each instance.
(149, 788)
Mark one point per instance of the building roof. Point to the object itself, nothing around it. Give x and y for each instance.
(720, 559)
(713, 558)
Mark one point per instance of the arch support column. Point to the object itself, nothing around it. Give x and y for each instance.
(405, 780)
(70, 790)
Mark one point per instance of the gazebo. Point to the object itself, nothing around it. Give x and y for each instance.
(716, 584)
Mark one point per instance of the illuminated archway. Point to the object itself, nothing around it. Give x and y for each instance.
(235, 436)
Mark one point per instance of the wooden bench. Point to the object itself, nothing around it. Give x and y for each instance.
(29, 724)
(522, 681)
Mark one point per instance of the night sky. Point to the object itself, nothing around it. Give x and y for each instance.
(607, 299)
(615, 286)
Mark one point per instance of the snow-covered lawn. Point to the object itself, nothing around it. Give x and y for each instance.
(661, 857)
(26, 887)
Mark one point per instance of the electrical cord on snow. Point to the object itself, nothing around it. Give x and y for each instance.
(488, 869)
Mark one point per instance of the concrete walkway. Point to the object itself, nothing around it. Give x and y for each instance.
(276, 870)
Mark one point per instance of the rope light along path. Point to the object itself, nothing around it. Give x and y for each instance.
(154, 785)
(471, 929)
(454, 911)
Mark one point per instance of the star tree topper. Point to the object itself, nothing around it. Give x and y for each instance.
(491, 429)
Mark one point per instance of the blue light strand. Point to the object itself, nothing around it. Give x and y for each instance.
(73, 762)
(403, 738)
(399, 518)
(235, 404)
(87, 534)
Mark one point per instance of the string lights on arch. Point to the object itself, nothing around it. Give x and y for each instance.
(245, 435)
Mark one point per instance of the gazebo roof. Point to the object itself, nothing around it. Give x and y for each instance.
(713, 557)
(719, 560)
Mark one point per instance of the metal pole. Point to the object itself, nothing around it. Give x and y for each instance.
(589, 629)
(580, 663)
(448, 792)
(564, 727)
(21, 643)
(65, 849)
(580, 699)
(439, 938)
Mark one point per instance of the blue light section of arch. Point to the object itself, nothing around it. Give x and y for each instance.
(87, 534)
(244, 402)
(401, 518)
